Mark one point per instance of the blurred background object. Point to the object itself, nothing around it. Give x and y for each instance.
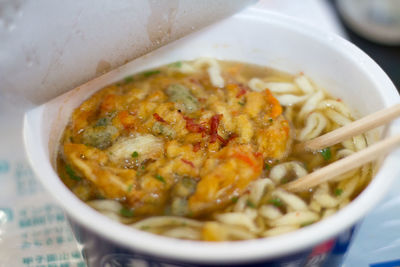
(378, 21)
(374, 26)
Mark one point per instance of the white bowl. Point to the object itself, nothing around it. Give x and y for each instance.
(252, 36)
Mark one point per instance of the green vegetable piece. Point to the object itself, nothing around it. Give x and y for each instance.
(160, 178)
(71, 173)
(326, 153)
(306, 224)
(234, 199)
(130, 187)
(181, 94)
(285, 180)
(102, 122)
(150, 73)
(135, 154)
(241, 103)
(338, 191)
(126, 212)
(177, 64)
(271, 120)
(276, 202)
(99, 136)
(267, 166)
(159, 128)
(250, 204)
(128, 79)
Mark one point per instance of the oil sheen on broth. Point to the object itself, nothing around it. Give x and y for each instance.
(199, 149)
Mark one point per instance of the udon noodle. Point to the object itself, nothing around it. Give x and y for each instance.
(199, 150)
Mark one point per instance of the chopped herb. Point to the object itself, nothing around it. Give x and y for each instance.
(338, 191)
(99, 196)
(241, 103)
(150, 73)
(126, 212)
(145, 227)
(177, 64)
(284, 180)
(326, 153)
(234, 199)
(130, 188)
(143, 167)
(71, 173)
(271, 120)
(276, 202)
(267, 166)
(160, 178)
(102, 122)
(128, 79)
(250, 204)
(135, 154)
(306, 224)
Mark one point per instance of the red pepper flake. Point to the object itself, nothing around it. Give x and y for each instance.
(195, 81)
(158, 118)
(214, 122)
(257, 154)
(231, 137)
(242, 91)
(188, 162)
(193, 127)
(222, 140)
(196, 147)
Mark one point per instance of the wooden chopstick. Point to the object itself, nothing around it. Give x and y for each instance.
(346, 164)
(355, 128)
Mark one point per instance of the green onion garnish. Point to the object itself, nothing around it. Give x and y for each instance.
(234, 199)
(71, 173)
(128, 79)
(326, 153)
(135, 154)
(177, 64)
(130, 188)
(338, 191)
(276, 202)
(250, 204)
(306, 224)
(126, 212)
(160, 178)
(267, 166)
(150, 73)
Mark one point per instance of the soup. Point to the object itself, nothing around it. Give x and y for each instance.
(200, 149)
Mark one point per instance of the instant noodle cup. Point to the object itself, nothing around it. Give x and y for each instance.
(256, 37)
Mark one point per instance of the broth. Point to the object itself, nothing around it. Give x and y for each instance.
(199, 149)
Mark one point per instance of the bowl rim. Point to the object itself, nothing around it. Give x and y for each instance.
(241, 251)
